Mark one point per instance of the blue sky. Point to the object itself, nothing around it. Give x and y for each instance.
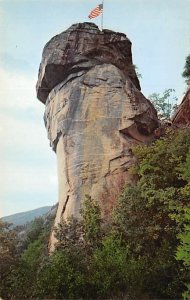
(160, 34)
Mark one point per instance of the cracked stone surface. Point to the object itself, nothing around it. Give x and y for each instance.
(94, 114)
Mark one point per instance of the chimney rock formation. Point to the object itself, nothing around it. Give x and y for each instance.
(94, 113)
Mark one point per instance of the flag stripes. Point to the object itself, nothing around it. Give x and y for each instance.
(98, 10)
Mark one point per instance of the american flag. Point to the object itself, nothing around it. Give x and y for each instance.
(98, 10)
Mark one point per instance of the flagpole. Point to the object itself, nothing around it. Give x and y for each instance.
(102, 19)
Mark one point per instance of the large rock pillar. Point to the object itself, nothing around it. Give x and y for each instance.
(94, 114)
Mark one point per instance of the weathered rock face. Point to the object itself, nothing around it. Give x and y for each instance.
(182, 115)
(75, 51)
(94, 113)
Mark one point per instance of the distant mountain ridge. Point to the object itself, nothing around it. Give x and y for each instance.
(28, 216)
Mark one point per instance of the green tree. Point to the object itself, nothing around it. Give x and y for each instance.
(23, 280)
(110, 269)
(186, 72)
(8, 255)
(146, 215)
(183, 250)
(89, 260)
(92, 222)
(150, 235)
(68, 272)
(183, 217)
(85, 232)
(163, 103)
(24, 277)
(36, 228)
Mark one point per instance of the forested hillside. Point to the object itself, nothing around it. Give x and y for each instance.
(24, 217)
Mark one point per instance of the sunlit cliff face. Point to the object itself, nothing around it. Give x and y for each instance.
(94, 114)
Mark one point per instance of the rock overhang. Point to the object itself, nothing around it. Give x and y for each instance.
(80, 48)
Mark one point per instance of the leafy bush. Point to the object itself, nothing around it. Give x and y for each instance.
(8, 256)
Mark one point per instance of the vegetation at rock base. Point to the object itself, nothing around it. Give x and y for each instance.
(142, 252)
(151, 214)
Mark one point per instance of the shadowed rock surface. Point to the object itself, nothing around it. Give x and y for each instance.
(94, 114)
(182, 115)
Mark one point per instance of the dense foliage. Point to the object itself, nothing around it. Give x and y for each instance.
(8, 255)
(141, 253)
